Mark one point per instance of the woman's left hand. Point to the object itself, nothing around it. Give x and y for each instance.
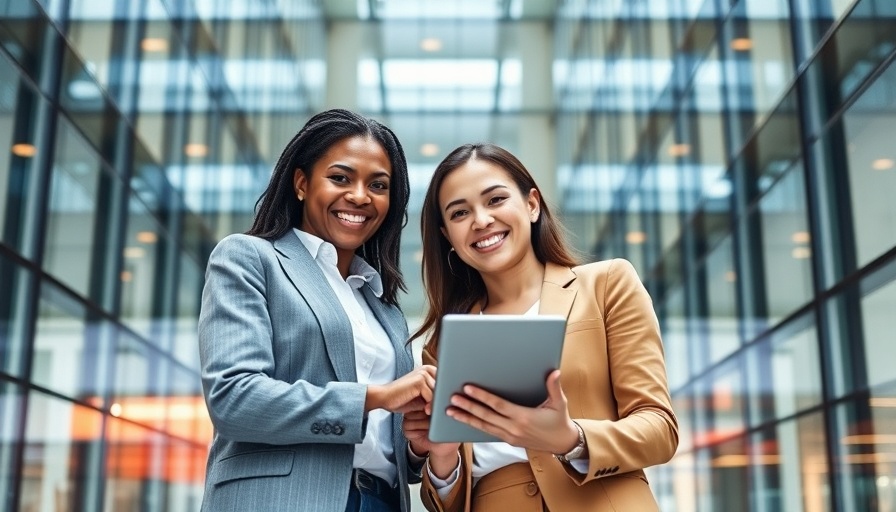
(547, 427)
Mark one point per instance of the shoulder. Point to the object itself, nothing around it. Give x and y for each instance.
(241, 246)
(613, 266)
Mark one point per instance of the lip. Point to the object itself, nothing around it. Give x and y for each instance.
(494, 247)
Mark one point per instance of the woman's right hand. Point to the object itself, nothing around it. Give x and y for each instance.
(443, 457)
(411, 392)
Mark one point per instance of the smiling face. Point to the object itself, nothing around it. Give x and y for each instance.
(486, 218)
(345, 198)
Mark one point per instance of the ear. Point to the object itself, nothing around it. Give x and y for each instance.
(299, 184)
(534, 204)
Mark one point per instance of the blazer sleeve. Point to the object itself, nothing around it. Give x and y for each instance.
(646, 432)
(456, 499)
(237, 363)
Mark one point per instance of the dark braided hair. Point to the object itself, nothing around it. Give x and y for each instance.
(278, 210)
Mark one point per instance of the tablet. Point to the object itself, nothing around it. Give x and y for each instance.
(508, 355)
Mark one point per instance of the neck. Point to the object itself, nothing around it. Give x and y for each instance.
(514, 291)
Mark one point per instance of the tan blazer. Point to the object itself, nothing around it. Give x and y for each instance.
(614, 378)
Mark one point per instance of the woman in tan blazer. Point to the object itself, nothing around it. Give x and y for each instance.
(490, 246)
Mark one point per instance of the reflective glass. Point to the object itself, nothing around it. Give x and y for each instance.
(878, 326)
(871, 160)
(866, 453)
(11, 410)
(786, 245)
(790, 468)
(62, 449)
(721, 301)
(141, 275)
(729, 470)
(133, 477)
(75, 206)
(70, 350)
(15, 311)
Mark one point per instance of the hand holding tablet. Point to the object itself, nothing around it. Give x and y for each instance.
(507, 355)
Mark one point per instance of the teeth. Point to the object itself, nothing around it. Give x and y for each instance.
(490, 241)
(357, 219)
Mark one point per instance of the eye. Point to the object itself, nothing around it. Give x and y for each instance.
(379, 185)
(497, 200)
(338, 178)
(456, 214)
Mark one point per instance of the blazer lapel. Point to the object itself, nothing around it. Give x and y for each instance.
(558, 290)
(312, 285)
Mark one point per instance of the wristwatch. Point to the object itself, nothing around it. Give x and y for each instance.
(577, 450)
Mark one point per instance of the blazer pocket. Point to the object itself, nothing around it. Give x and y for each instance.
(253, 465)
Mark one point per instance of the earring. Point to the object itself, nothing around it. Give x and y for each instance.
(534, 216)
(448, 257)
(300, 197)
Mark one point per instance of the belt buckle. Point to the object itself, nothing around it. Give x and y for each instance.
(364, 480)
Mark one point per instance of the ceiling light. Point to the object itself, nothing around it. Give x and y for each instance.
(195, 150)
(801, 253)
(731, 276)
(883, 164)
(801, 237)
(742, 44)
(147, 237)
(24, 150)
(154, 44)
(126, 276)
(677, 150)
(429, 149)
(115, 409)
(635, 237)
(431, 44)
(134, 252)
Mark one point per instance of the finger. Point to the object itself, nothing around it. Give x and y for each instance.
(555, 390)
(494, 402)
(474, 421)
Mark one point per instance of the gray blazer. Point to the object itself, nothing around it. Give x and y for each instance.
(278, 372)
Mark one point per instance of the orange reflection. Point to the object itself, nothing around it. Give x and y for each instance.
(133, 446)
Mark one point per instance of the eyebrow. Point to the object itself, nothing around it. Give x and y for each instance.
(484, 192)
(352, 170)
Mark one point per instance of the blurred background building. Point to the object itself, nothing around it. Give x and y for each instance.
(741, 153)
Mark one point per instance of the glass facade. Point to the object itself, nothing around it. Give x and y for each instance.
(134, 136)
(738, 152)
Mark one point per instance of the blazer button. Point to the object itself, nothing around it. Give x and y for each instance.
(328, 429)
(532, 489)
(315, 428)
(615, 469)
(338, 430)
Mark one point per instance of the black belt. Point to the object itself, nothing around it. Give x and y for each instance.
(368, 483)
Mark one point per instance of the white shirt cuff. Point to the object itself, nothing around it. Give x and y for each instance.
(443, 487)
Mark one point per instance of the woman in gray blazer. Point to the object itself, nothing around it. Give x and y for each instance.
(302, 343)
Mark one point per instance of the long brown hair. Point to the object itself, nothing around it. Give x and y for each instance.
(455, 287)
(278, 210)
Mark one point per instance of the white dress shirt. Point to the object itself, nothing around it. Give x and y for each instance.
(374, 354)
(488, 457)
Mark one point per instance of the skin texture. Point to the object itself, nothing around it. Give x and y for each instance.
(350, 179)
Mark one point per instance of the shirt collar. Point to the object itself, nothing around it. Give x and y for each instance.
(359, 271)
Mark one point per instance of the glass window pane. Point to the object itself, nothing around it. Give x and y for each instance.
(872, 168)
(131, 468)
(879, 326)
(786, 245)
(724, 337)
(62, 450)
(140, 275)
(69, 352)
(74, 203)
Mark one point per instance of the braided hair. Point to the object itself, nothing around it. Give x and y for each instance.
(278, 210)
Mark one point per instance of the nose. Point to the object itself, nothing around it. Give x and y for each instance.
(358, 196)
(482, 219)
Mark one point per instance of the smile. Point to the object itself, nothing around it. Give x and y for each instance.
(490, 241)
(352, 219)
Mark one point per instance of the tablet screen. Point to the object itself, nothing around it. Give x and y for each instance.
(508, 355)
